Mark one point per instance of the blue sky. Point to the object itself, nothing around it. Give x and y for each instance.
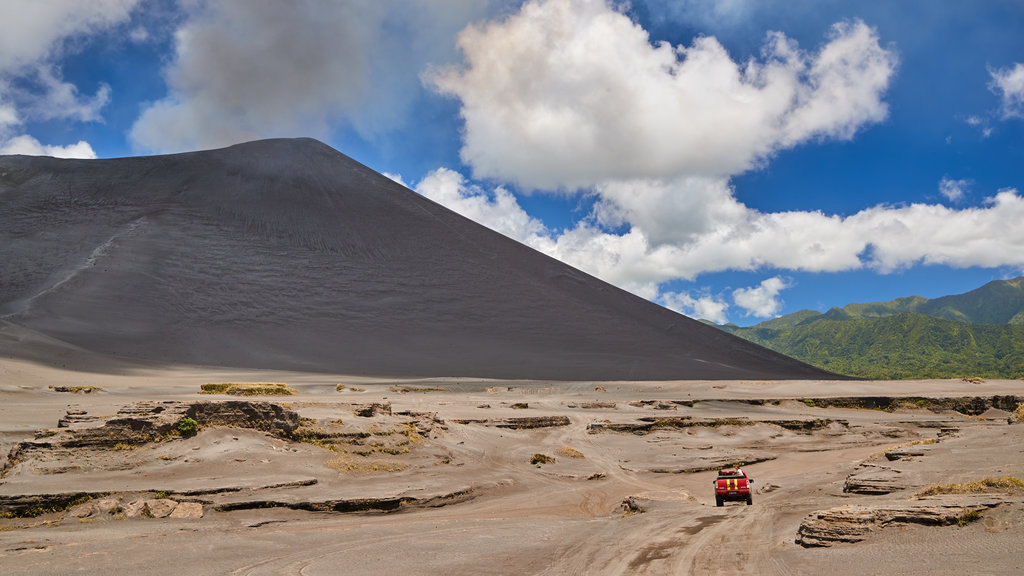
(732, 159)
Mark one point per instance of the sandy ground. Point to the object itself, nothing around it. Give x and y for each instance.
(508, 515)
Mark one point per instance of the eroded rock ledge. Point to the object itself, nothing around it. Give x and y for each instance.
(144, 422)
(854, 523)
(648, 424)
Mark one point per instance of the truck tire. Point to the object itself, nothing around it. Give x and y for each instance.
(718, 500)
(750, 499)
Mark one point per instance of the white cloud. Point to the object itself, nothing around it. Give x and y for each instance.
(247, 69)
(29, 146)
(954, 190)
(139, 34)
(763, 300)
(571, 93)
(498, 211)
(714, 232)
(396, 178)
(32, 36)
(1009, 84)
(52, 98)
(33, 31)
(703, 307)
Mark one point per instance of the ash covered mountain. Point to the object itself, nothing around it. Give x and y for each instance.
(287, 254)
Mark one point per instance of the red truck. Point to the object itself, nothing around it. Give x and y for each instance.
(733, 485)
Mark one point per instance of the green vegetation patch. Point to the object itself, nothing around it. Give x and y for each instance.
(968, 516)
(186, 427)
(248, 388)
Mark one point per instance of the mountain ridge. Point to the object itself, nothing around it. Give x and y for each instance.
(977, 333)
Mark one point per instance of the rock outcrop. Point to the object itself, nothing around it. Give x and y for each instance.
(854, 523)
(874, 480)
(144, 422)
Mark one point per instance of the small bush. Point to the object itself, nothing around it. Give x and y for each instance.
(967, 517)
(520, 406)
(539, 459)
(187, 427)
(809, 402)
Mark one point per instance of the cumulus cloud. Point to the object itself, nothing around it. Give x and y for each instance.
(1009, 84)
(762, 300)
(29, 146)
(572, 93)
(499, 211)
(33, 31)
(48, 97)
(638, 249)
(32, 36)
(703, 307)
(246, 69)
(954, 190)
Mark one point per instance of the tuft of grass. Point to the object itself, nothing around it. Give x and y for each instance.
(809, 402)
(248, 388)
(77, 389)
(1009, 484)
(124, 446)
(341, 387)
(910, 444)
(407, 389)
(973, 380)
(569, 452)
(520, 406)
(345, 463)
(314, 435)
(1019, 412)
(539, 459)
(968, 516)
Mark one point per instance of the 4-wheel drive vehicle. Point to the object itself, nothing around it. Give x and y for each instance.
(732, 485)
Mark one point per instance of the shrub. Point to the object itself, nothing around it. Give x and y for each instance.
(187, 427)
(539, 459)
(967, 517)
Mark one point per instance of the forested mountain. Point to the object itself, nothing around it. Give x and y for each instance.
(979, 333)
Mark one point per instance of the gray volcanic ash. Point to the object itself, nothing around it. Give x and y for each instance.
(287, 254)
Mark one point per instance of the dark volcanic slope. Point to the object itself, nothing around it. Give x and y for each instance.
(288, 254)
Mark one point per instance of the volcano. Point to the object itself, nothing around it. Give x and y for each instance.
(286, 254)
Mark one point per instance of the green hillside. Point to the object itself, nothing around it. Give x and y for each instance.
(998, 302)
(980, 333)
